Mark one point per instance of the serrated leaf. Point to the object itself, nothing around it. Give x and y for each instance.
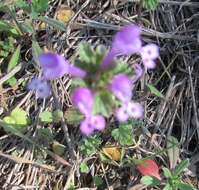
(182, 165)
(20, 116)
(173, 151)
(14, 59)
(149, 180)
(154, 90)
(123, 134)
(36, 50)
(84, 168)
(57, 115)
(73, 116)
(46, 117)
(54, 23)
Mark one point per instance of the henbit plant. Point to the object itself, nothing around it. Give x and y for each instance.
(107, 89)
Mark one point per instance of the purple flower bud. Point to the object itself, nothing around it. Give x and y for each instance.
(126, 42)
(53, 65)
(121, 86)
(91, 123)
(83, 98)
(41, 87)
(149, 64)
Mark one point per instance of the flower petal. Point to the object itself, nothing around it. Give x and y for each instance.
(149, 64)
(150, 51)
(126, 42)
(122, 114)
(135, 110)
(121, 86)
(98, 122)
(41, 87)
(86, 127)
(76, 71)
(138, 72)
(53, 65)
(83, 98)
(150, 168)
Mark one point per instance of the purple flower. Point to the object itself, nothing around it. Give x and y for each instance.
(55, 66)
(149, 53)
(121, 86)
(41, 87)
(128, 110)
(126, 42)
(83, 98)
(91, 123)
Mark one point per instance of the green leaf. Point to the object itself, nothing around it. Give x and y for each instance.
(123, 134)
(167, 173)
(98, 180)
(23, 5)
(27, 27)
(154, 90)
(11, 81)
(73, 116)
(103, 104)
(54, 23)
(46, 117)
(7, 27)
(86, 52)
(179, 169)
(89, 145)
(57, 116)
(168, 187)
(149, 180)
(14, 59)
(183, 186)
(58, 148)
(150, 4)
(36, 50)
(39, 6)
(17, 119)
(173, 151)
(84, 168)
(45, 134)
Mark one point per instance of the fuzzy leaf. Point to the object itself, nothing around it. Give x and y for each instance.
(46, 117)
(36, 50)
(179, 169)
(123, 134)
(58, 148)
(149, 180)
(167, 173)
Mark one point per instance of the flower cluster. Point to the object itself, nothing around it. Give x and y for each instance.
(117, 87)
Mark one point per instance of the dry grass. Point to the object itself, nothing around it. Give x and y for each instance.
(174, 26)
